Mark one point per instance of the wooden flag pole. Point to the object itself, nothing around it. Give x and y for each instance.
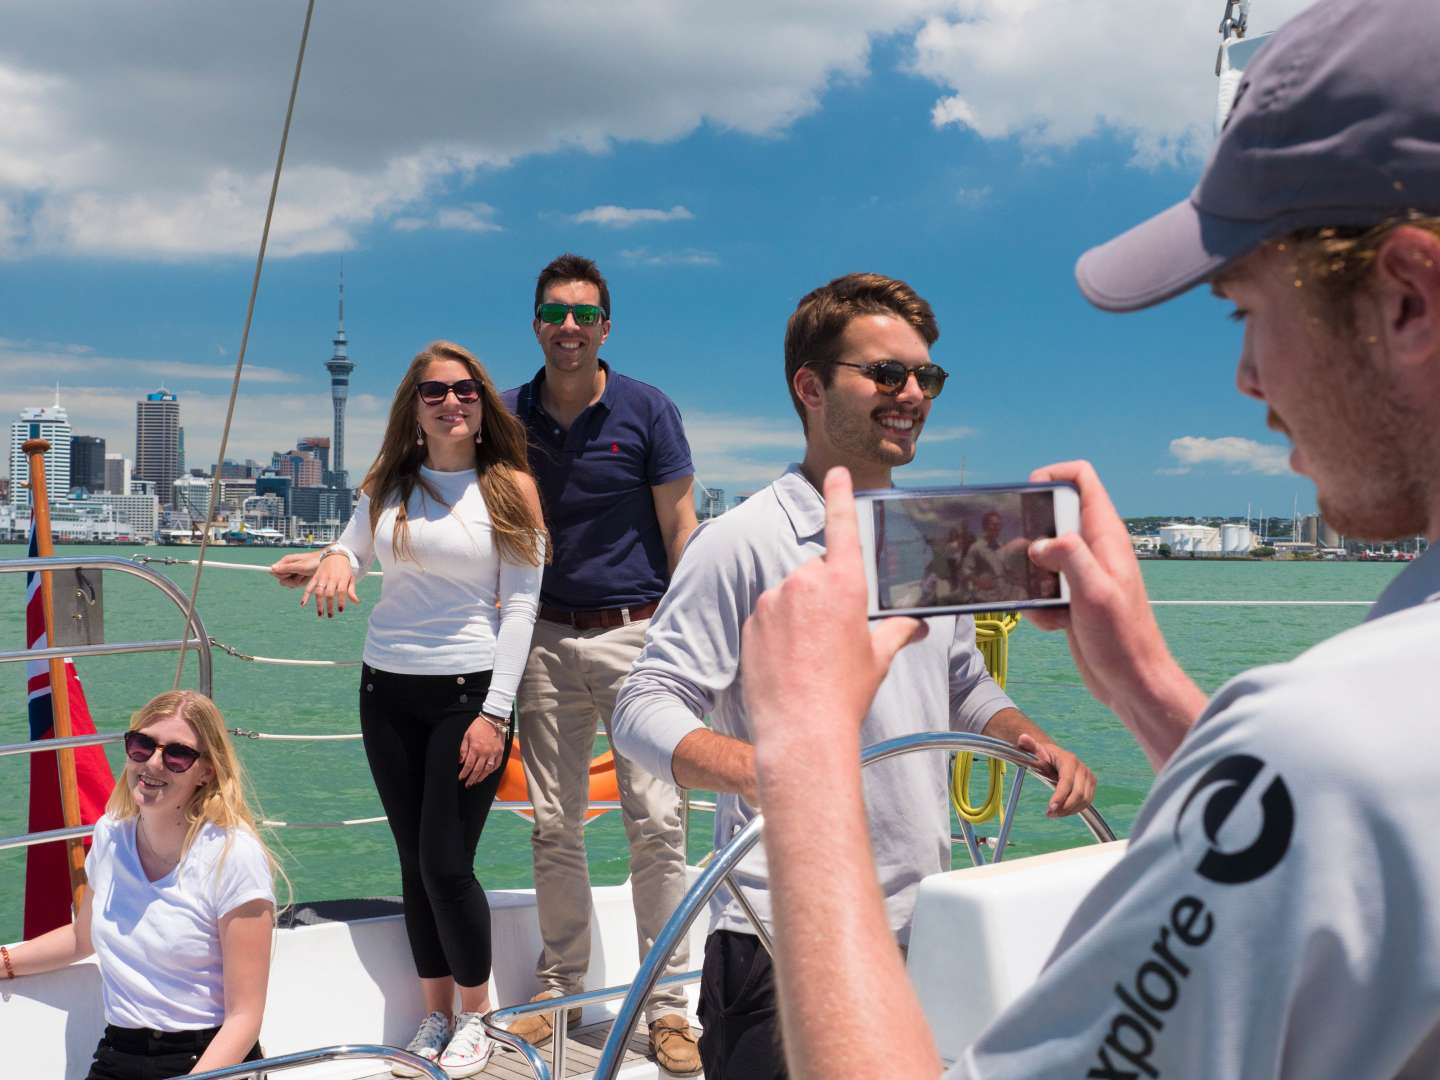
(35, 449)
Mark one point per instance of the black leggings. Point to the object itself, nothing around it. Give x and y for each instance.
(412, 725)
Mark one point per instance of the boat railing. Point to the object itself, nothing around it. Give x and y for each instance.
(718, 873)
(203, 646)
(496, 1020)
(265, 1067)
(199, 640)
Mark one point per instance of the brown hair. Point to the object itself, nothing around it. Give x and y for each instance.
(812, 336)
(498, 458)
(570, 267)
(1337, 261)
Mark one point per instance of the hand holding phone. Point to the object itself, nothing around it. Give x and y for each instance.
(932, 551)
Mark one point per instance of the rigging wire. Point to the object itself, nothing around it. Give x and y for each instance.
(244, 343)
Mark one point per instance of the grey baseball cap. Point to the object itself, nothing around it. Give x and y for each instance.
(1336, 122)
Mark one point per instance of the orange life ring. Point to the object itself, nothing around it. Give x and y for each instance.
(604, 784)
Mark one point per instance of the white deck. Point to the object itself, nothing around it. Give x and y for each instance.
(980, 937)
(338, 982)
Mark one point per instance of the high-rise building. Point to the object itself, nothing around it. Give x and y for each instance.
(49, 422)
(317, 505)
(301, 466)
(233, 493)
(191, 494)
(270, 483)
(340, 366)
(319, 445)
(117, 474)
(157, 441)
(87, 463)
(140, 512)
(712, 503)
(242, 470)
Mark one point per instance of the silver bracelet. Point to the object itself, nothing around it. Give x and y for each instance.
(334, 551)
(502, 727)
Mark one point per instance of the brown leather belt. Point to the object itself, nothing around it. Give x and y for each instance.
(599, 618)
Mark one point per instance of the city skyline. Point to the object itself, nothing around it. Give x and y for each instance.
(706, 497)
(975, 157)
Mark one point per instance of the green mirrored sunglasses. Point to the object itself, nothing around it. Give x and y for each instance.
(585, 314)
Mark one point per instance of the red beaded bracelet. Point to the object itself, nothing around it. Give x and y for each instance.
(9, 967)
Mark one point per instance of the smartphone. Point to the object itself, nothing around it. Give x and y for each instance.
(933, 551)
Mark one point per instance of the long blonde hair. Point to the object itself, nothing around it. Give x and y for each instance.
(498, 458)
(223, 799)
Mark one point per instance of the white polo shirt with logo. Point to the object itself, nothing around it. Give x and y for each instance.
(1277, 913)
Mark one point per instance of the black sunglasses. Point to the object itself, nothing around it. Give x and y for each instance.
(432, 391)
(175, 756)
(890, 376)
(585, 314)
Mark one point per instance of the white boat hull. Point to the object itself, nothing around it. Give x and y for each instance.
(332, 983)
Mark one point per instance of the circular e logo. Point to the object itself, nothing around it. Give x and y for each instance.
(1231, 777)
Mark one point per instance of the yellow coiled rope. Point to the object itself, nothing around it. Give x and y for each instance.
(992, 637)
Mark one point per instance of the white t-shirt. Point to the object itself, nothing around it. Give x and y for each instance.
(158, 942)
(454, 605)
(1276, 912)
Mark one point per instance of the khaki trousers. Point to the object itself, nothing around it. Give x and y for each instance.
(571, 679)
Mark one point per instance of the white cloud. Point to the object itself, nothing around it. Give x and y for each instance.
(472, 217)
(946, 434)
(738, 452)
(1052, 73)
(149, 129)
(1230, 452)
(684, 257)
(624, 217)
(59, 360)
(972, 197)
(104, 404)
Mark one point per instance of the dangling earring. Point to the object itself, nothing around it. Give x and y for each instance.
(479, 436)
(419, 435)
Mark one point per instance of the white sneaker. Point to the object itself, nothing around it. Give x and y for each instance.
(469, 1048)
(428, 1042)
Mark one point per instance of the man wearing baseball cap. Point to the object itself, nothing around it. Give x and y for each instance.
(1274, 912)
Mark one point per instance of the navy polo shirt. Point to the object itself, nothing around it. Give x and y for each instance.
(595, 482)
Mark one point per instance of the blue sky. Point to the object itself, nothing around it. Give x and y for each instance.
(973, 147)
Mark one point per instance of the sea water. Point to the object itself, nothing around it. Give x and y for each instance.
(329, 781)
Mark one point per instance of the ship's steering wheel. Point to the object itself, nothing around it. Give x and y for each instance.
(725, 861)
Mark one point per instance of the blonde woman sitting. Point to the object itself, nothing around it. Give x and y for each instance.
(181, 903)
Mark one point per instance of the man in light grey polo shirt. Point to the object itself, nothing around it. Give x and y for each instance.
(1275, 912)
(857, 360)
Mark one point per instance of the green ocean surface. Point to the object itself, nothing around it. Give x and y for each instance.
(329, 781)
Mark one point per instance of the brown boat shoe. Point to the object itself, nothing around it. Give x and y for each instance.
(536, 1028)
(673, 1045)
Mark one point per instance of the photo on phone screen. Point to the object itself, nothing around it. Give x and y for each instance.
(961, 550)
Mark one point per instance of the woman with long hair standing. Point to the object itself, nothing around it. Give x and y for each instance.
(450, 511)
(186, 903)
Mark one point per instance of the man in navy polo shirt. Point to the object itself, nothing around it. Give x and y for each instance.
(613, 466)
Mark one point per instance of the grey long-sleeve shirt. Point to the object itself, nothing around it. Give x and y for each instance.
(689, 669)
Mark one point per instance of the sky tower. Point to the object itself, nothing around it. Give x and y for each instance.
(340, 366)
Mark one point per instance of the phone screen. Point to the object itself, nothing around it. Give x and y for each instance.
(949, 550)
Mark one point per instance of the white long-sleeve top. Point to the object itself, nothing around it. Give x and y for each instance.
(454, 605)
